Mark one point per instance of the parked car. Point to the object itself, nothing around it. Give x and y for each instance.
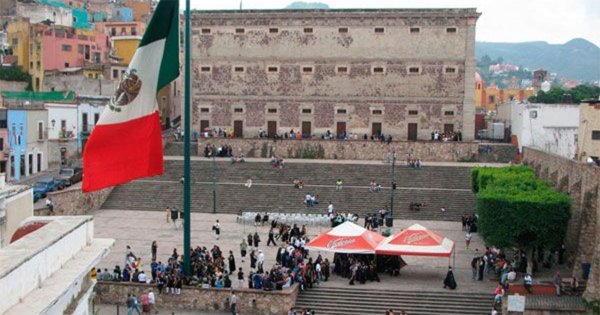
(45, 185)
(70, 176)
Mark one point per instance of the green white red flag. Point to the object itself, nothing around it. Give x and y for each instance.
(126, 143)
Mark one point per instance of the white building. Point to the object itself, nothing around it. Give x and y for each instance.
(62, 120)
(552, 128)
(89, 110)
(16, 205)
(46, 271)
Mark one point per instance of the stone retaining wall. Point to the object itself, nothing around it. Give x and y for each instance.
(362, 150)
(72, 201)
(197, 299)
(580, 181)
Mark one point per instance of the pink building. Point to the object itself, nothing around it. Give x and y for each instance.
(69, 47)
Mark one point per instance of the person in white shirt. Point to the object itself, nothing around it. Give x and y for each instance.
(142, 277)
(217, 229)
(151, 300)
(330, 208)
(261, 260)
(248, 183)
(318, 271)
(512, 276)
(50, 205)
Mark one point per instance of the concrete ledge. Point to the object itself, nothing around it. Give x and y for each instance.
(28, 262)
(250, 301)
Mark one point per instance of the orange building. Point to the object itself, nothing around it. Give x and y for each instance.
(488, 98)
(142, 9)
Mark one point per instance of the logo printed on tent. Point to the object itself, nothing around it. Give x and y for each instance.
(340, 242)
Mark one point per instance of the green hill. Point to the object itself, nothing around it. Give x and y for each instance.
(577, 59)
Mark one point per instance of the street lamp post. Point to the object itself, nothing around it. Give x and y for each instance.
(393, 185)
(214, 182)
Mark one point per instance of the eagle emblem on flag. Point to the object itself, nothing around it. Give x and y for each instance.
(128, 89)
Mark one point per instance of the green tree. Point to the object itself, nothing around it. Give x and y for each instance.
(517, 210)
(15, 74)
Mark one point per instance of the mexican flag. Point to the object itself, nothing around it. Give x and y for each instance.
(126, 143)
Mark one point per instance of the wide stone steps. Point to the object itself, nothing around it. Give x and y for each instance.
(337, 301)
(273, 190)
(323, 174)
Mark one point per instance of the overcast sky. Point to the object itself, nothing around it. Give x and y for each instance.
(553, 21)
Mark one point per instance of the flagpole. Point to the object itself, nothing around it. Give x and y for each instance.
(186, 149)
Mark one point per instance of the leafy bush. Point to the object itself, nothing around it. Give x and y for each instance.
(15, 74)
(518, 210)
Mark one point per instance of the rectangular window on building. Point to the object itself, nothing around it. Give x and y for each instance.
(205, 69)
(240, 30)
(238, 69)
(204, 109)
(113, 31)
(272, 110)
(341, 111)
(595, 134)
(450, 70)
(413, 112)
(80, 49)
(15, 41)
(451, 30)
(342, 69)
(343, 30)
(1, 144)
(415, 30)
(40, 130)
(39, 65)
(115, 74)
(205, 31)
(96, 118)
(66, 47)
(272, 69)
(377, 112)
(414, 70)
(307, 69)
(31, 64)
(449, 113)
(273, 30)
(308, 30)
(306, 111)
(491, 99)
(238, 110)
(378, 70)
(133, 31)
(379, 30)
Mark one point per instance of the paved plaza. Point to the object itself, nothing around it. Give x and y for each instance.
(139, 228)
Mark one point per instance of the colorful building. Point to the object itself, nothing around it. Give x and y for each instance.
(142, 10)
(588, 144)
(17, 143)
(118, 28)
(122, 50)
(122, 13)
(3, 140)
(71, 47)
(488, 98)
(18, 39)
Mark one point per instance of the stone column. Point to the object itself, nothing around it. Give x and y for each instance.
(468, 114)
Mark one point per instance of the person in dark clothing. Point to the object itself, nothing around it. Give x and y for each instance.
(481, 267)
(449, 281)
(252, 259)
(256, 239)
(250, 240)
(271, 238)
(231, 262)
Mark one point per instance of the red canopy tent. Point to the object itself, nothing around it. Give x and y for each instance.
(346, 238)
(416, 241)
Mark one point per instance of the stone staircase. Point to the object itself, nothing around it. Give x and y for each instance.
(272, 189)
(347, 301)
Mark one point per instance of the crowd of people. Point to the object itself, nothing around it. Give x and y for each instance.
(436, 135)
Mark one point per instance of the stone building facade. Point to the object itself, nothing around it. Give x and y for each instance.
(404, 72)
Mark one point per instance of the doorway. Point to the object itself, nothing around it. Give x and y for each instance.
(30, 165)
(448, 128)
(376, 129)
(306, 129)
(39, 162)
(271, 129)
(412, 132)
(238, 128)
(340, 129)
(203, 125)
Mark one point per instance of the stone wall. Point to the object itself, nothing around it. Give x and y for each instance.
(580, 182)
(358, 149)
(321, 68)
(197, 299)
(54, 150)
(72, 201)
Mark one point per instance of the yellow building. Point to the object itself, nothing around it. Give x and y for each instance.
(93, 72)
(479, 91)
(124, 47)
(18, 39)
(36, 57)
(588, 141)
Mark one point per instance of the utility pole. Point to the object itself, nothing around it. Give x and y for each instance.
(214, 182)
(393, 185)
(187, 267)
